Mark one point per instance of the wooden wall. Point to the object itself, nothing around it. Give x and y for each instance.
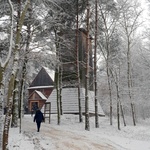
(46, 91)
(35, 98)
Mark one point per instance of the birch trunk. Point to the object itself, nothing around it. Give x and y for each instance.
(119, 106)
(1, 104)
(3, 65)
(130, 80)
(129, 23)
(107, 57)
(14, 122)
(109, 88)
(12, 79)
(24, 68)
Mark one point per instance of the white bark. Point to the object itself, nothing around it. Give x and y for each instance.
(11, 36)
(13, 77)
(129, 22)
(2, 69)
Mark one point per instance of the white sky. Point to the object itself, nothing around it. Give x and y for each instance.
(145, 14)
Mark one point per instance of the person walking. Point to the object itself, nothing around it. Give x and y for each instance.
(38, 118)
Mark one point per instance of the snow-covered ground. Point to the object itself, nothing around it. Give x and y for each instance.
(71, 135)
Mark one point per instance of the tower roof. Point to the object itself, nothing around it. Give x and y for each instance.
(45, 77)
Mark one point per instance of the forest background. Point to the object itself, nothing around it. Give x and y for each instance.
(120, 44)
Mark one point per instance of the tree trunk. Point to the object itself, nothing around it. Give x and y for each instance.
(133, 113)
(130, 80)
(2, 69)
(12, 78)
(24, 68)
(1, 103)
(57, 80)
(14, 122)
(118, 114)
(6, 125)
(118, 103)
(58, 95)
(122, 112)
(77, 66)
(95, 69)
(87, 124)
(21, 102)
(118, 100)
(110, 94)
(61, 109)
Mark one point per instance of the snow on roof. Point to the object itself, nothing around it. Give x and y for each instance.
(70, 101)
(50, 72)
(41, 95)
(40, 87)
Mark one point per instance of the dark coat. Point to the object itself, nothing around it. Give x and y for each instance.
(38, 116)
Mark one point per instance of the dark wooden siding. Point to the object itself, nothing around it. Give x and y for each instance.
(46, 91)
(35, 98)
(68, 56)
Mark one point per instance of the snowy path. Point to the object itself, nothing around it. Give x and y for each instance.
(55, 139)
(71, 135)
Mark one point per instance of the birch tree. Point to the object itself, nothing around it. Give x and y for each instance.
(25, 62)
(14, 122)
(129, 15)
(12, 78)
(3, 66)
(108, 22)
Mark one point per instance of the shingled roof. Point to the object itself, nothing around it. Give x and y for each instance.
(70, 101)
(45, 77)
(40, 94)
